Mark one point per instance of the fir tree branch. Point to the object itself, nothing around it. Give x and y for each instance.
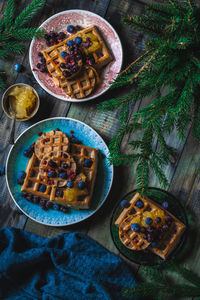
(27, 33)
(9, 13)
(28, 12)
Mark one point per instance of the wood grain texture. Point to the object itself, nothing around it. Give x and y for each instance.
(183, 175)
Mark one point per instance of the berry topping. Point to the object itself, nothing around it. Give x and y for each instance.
(87, 163)
(52, 174)
(2, 171)
(63, 65)
(18, 67)
(164, 227)
(24, 194)
(165, 204)
(63, 54)
(143, 230)
(42, 188)
(63, 209)
(70, 184)
(63, 175)
(148, 221)
(71, 131)
(78, 40)
(124, 204)
(135, 241)
(40, 54)
(40, 133)
(81, 185)
(70, 43)
(157, 220)
(49, 204)
(168, 219)
(149, 237)
(70, 28)
(153, 244)
(66, 73)
(77, 27)
(52, 164)
(29, 197)
(63, 165)
(150, 229)
(135, 227)
(139, 204)
(62, 35)
(56, 207)
(57, 129)
(36, 199)
(59, 193)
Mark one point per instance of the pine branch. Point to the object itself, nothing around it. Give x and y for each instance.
(9, 13)
(27, 33)
(28, 13)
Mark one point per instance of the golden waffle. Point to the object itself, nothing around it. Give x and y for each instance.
(130, 239)
(58, 158)
(80, 153)
(101, 55)
(170, 239)
(34, 180)
(53, 140)
(83, 85)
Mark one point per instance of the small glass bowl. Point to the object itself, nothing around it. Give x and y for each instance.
(6, 105)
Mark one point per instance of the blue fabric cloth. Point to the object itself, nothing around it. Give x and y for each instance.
(70, 266)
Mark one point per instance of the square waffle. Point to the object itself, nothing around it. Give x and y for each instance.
(53, 58)
(170, 239)
(79, 154)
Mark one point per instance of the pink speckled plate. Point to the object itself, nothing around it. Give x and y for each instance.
(85, 19)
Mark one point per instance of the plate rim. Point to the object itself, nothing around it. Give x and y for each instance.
(6, 173)
(73, 99)
(181, 241)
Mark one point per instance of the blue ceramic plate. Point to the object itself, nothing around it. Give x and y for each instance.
(16, 162)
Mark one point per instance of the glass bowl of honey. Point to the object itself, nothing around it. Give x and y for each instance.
(20, 101)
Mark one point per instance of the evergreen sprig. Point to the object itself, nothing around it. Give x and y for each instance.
(12, 30)
(169, 72)
(158, 285)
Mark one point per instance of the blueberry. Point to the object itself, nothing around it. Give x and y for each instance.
(52, 164)
(63, 54)
(36, 199)
(81, 185)
(2, 171)
(87, 163)
(165, 205)
(70, 43)
(49, 204)
(63, 209)
(29, 197)
(62, 35)
(135, 227)
(18, 67)
(70, 184)
(157, 220)
(78, 40)
(24, 194)
(63, 165)
(42, 188)
(70, 28)
(20, 181)
(63, 175)
(124, 204)
(142, 229)
(38, 65)
(148, 221)
(59, 193)
(52, 174)
(153, 244)
(139, 204)
(56, 207)
(77, 27)
(21, 174)
(63, 65)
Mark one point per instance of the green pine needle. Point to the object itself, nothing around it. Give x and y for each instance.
(28, 12)
(9, 13)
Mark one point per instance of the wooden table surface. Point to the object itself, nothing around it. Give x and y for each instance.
(183, 175)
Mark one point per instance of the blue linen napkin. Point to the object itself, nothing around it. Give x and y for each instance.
(70, 266)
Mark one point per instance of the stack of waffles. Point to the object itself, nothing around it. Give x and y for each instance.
(145, 225)
(73, 63)
(61, 172)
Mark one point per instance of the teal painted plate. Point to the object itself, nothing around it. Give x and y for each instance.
(17, 162)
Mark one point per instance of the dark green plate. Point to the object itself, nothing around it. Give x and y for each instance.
(148, 258)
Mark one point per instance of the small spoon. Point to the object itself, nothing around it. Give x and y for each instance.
(11, 139)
